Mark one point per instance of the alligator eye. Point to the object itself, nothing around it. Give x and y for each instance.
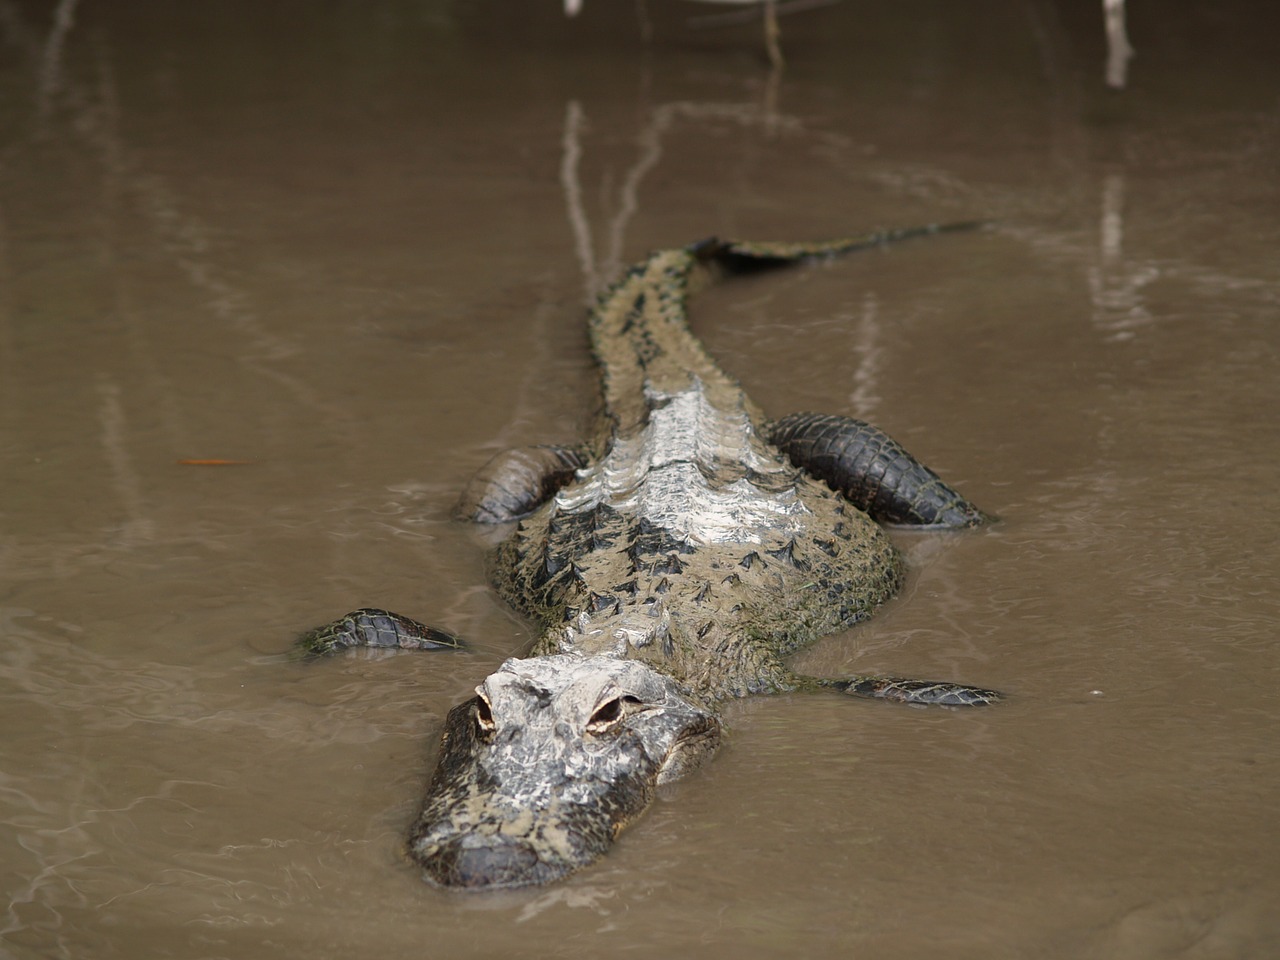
(484, 716)
(610, 712)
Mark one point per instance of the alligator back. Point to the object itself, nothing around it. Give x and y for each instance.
(687, 540)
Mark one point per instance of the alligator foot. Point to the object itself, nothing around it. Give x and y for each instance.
(516, 482)
(872, 471)
(920, 692)
(369, 627)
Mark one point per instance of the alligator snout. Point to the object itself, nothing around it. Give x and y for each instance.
(547, 763)
(476, 861)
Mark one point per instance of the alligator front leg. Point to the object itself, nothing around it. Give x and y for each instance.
(516, 482)
(511, 485)
(381, 629)
(932, 693)
(872, 470)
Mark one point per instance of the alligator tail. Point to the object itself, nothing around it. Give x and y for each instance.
(737, 256)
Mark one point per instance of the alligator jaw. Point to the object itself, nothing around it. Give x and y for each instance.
(547, 763)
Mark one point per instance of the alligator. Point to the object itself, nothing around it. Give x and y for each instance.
(672, 562)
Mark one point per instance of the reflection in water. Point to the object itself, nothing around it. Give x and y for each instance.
(9, 381)
(97, 122)
(1114, 285)
(573, 7)
(865, 399)
(769, 13)
(51, 61)
(1118, 50)
(571, 154)
(137, 526)
(599, 271)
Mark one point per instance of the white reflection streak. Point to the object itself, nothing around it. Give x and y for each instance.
(1112, 222)
(1118, 50)
(183, 236)
(1115, 287)
(569, 179)
(63, 840)
(864, 398)
(8, 352)
(51, 876)
(124, 478)
(651, 140)
(51, 61)
(597, 276)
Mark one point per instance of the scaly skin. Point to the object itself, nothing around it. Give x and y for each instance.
(672, 562)
(689, 534)
(873, 471)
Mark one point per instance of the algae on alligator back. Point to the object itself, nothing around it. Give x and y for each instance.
(672, 561)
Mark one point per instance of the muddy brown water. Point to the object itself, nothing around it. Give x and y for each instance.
(350, 244)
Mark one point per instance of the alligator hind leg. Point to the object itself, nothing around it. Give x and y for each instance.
(919, 692)
(872, 470)
(369, 627)
(516, 482)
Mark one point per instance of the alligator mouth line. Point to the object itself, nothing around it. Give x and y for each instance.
(544, 767)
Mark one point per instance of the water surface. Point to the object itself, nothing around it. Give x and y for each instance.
(350, 245)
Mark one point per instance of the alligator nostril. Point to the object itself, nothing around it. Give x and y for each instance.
(482, 861)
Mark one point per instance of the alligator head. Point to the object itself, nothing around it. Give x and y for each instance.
(547, 763)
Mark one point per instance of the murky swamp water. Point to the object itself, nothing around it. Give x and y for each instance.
(350, 244)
